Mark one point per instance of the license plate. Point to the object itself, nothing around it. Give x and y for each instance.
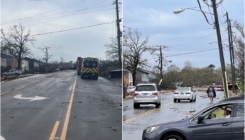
(182, 93)
(145, 93)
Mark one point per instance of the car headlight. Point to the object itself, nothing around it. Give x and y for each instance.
(151, 129)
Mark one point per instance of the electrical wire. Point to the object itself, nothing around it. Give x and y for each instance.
(65, 15)
(73, 28)
(59, 16)
(191, 52)
(50, 11)
(49, 16)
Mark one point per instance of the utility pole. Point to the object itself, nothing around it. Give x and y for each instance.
(230, 49)
(160, 60)
(46, 56)
(222, 61)
(118, 36)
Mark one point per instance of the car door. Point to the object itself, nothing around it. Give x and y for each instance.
(238, 123)
(210, 129)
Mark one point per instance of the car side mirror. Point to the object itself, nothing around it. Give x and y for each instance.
(200, 119)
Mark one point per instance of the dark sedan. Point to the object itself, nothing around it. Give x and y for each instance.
(221, 121)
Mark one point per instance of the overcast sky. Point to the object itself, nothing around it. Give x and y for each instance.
(45, 16)
(184, 32)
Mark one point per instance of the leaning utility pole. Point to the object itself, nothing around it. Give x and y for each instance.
(222, 61)
(230, 49)
(46, 56)
(118, 36)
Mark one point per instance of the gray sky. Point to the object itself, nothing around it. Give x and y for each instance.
(45, 16)
(184, 32)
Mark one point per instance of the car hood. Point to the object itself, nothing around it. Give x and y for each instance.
(174, 124)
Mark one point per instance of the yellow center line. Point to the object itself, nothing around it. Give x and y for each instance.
(56, 125)
(65, 127)
(20, 87)
(144, 114)
(70, 87)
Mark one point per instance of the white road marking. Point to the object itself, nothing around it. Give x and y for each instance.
(70, 87)
(30, 98)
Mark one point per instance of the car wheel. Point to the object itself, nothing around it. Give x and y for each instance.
(136, 105)
(158, 105)
(191, 100)
(174, 100)
(178, 100)
(173, 137)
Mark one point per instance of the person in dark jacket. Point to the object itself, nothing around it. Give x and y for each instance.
(211, 93)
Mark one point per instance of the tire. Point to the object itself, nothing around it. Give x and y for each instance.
(175, 100)
(178, 100)
(191, 100)
(173, 137)
(96, 78)
(82, 77)
(136, 105)
(158, 105)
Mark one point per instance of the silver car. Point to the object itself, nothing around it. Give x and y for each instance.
(147, 93)
(184, 93)
(12, 72)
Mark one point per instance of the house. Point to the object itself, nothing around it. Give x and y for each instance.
(24, 65)
(8, 62)
(152, 76)
(141, 76)
(116, 73)
(33, 64)
(3, 64)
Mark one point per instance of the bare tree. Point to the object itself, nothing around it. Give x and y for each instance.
(239, 50)
(134, 48)
(16, 42)
(112, 49)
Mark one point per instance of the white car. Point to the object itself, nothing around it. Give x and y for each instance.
(184, 93)
(147, 93)
(12, 72)
(131, 89)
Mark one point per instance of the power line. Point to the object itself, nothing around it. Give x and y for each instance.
(191, 52)
(73, 28)
(57, 17)
(48, 16)
(53, 10)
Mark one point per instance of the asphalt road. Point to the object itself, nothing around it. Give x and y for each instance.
(136, 120)
(60, 106)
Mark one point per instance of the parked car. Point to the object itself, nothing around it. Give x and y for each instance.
(220, 121)
(184, 93)
(12, 72)
(147, 93)
(131, 89)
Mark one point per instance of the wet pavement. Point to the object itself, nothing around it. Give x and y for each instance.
(60, 106)
(136, 120)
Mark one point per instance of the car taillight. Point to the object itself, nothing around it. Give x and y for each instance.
(187, 93)
(135, 94)
(154, 93)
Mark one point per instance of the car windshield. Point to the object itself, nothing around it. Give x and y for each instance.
(182, 88)
(145, 88)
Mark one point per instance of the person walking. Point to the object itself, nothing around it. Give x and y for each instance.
(211, 93)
